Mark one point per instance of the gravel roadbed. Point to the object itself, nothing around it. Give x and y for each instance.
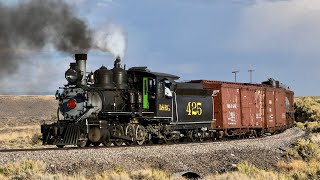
(203, 158)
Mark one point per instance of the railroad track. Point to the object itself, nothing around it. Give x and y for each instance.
(124, 146)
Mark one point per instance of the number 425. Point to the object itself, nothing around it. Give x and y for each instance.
(194, 108)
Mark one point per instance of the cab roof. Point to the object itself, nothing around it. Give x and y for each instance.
(146, 72)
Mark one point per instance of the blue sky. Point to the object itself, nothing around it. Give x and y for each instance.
(197, 39)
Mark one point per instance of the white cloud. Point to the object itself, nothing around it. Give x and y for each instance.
(104, 3)
(272, 26)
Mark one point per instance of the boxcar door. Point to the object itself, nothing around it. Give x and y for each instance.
(232, 111)
(280, 108)
(247, 108)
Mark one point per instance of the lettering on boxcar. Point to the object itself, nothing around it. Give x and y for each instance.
(232, 106)
(271, 117)
(164, 107)
(258, 116)
(232, 118)
(259, 104)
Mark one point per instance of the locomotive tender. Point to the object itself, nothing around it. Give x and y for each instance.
(131, 106)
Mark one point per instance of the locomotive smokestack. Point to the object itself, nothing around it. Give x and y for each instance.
(81, 62)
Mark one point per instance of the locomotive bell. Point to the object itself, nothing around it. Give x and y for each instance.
(91, 77)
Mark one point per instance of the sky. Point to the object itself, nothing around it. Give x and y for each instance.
(194, 39)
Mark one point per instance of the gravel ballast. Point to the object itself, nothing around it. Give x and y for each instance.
(203, 158)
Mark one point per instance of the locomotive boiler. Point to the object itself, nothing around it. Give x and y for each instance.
(136, 106)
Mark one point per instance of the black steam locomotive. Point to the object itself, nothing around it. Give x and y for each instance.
(119, 106)
(138, 106)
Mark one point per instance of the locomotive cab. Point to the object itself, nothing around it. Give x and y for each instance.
(152, 86)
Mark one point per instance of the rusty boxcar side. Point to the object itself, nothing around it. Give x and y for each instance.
(250, 106)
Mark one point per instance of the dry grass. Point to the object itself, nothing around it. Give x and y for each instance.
(313, 126)
(229, 176)
(12, 133)
(253, 172)
(293, 170)
(20, 137)
(22, 170)
(20, 118)
(307, 108)
(298, 169)
(315, 138)
(293, 165)
(120, 174)
(304, 149)
(28, 169)
(26, 166)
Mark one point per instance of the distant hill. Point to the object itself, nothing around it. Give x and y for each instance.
(31, 107)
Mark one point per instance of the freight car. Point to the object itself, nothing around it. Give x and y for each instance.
(138, 106)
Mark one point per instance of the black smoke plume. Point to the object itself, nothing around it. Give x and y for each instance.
(33, 24)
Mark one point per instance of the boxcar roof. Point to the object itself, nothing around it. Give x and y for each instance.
(235, 84)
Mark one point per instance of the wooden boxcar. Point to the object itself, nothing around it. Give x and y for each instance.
(243, 106)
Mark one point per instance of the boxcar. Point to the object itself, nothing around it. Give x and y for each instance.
(243, 106)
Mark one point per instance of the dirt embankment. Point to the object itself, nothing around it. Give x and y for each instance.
(203, 158)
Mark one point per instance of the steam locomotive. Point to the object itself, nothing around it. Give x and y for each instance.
(136, 106)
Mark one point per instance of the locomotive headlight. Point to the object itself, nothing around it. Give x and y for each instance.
(71, 75)
(72, 104)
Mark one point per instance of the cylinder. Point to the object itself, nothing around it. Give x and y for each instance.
(81, 63)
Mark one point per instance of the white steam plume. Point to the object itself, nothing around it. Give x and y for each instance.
(111, 38)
